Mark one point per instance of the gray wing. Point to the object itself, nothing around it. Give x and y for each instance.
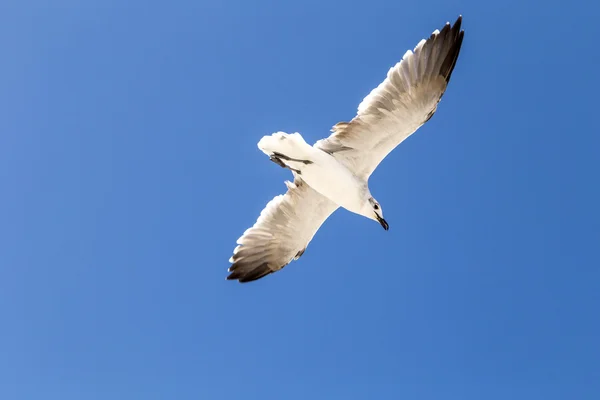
(282, 232)
(404, 101)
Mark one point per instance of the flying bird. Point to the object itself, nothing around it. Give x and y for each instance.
(335, 171)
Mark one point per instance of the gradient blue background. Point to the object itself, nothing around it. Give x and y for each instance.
(129, 167)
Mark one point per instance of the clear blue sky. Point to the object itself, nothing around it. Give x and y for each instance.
(129, 167)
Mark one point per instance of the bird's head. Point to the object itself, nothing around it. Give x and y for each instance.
(372, 209)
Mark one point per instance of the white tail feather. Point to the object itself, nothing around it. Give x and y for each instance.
(290, 144)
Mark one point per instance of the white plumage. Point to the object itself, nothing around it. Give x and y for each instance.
(335, 171)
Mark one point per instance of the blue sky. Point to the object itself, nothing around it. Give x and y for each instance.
(129, 167)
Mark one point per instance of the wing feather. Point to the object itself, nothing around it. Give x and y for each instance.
(402, 103)
(282, 232)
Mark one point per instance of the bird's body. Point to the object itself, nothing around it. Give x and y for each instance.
(334, 172)
(320, 170)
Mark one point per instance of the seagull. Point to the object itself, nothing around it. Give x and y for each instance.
(335, 171)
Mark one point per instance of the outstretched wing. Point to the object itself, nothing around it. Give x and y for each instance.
(283, 230)
(404, 101)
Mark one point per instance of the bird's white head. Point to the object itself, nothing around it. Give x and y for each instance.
(372, 209)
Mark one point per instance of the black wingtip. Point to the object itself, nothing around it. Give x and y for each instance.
(450, 61)
(458, 21)
(244, 275)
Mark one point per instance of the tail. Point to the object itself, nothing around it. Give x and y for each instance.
(286, 146)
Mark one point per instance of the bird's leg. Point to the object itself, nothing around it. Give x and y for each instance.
(278, 161)
(283, 156)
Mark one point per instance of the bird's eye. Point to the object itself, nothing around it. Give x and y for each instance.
(376, 207)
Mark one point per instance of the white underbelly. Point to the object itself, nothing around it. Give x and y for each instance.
(334, 181)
